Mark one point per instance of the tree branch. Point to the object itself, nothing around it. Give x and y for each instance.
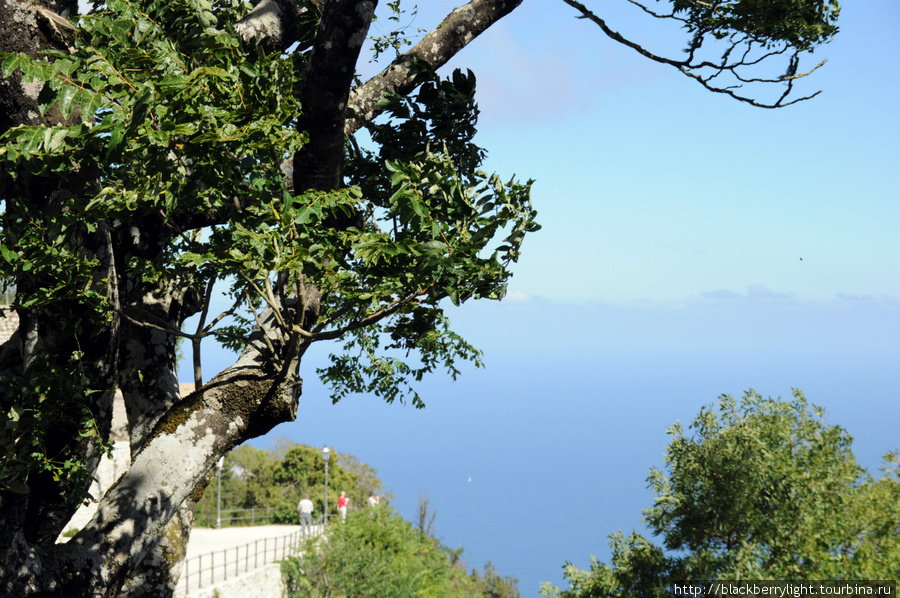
(272, 24)
(372, 318)
(456, 31)
(195, 342)
(238, 404)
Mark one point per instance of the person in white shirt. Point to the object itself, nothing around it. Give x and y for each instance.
(305, 506)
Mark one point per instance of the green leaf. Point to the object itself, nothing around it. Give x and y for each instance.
(11, 62)
(114, 147)
(9, 255)
(15, 413)
(418, 207)
(140, 110)
(36, 138)
(305, 214)
(59, 134)
(67, 99)
(211, 71)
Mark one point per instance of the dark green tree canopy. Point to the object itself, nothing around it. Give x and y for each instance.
(760, 489)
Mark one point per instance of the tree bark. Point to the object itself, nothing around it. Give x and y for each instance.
(149, 385)
(272, 24)
(456, 31)
(344, 26)
(28, 27)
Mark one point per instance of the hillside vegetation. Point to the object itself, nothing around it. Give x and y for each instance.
(377, 553)
(274, 482)
(374, 553)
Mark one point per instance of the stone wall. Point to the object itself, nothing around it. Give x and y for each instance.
(9, 321)
(265, 582)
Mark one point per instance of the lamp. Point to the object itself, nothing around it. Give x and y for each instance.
(326, 455)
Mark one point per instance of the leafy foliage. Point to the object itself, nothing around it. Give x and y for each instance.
(763, 489)
(377, 553)
(439, 205)
(152, 98)
(802, 24)
(28, 428)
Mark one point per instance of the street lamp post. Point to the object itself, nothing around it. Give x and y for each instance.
(326, 455)
(219, 464)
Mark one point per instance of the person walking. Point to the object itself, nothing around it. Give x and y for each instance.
(343, 501)
(305, 506)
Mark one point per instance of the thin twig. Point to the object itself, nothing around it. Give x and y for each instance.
(386, 311)
(262, 330)
(208, 330)
(688, 67)
(195, 342)
(143, 324)
(272, 304)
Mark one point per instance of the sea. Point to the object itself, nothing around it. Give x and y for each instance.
(537, 458)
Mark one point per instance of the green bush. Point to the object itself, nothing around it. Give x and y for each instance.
(377, 554)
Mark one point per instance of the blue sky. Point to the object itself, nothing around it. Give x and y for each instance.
(652, 189)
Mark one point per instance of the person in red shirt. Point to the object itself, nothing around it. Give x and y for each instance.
(343, 501)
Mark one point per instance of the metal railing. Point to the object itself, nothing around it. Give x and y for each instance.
(209, 569)
(235, 517)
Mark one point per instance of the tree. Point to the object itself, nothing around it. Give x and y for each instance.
(763, 489)
(366, 478)
(156, 152)
(303, 471)
(255, 478)
(247, 483)
(425, 515)
(493, 585)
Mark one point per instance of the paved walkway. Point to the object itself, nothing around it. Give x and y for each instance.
(205, 540)
(216, 555)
